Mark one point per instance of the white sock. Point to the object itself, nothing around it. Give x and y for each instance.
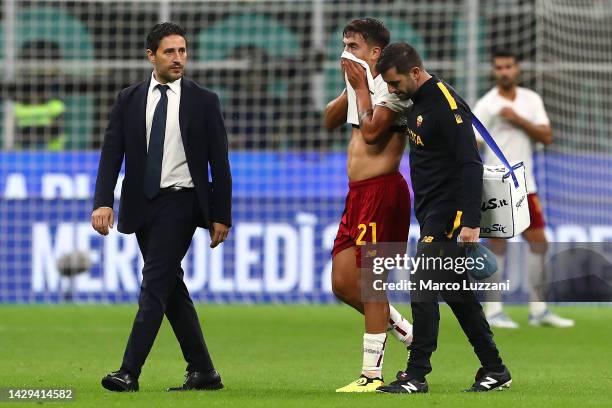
(373, 353)
(400, 327)
(493, 308)
(535, 271)
(537, 308)
(495, 305)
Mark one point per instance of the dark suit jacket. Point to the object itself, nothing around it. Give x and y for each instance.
(205, 141)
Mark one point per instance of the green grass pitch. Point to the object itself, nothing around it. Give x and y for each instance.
(284, 356)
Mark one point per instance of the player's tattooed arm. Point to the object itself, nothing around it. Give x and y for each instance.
(374, 121)
(365, 115)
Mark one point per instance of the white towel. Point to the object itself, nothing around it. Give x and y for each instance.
(352, 115)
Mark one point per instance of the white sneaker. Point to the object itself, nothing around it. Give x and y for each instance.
(502, 321)
(550, 319)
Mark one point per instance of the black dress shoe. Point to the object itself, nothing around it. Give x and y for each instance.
(120, 381)
(197, 380)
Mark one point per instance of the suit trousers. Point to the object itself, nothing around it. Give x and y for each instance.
(164, 238)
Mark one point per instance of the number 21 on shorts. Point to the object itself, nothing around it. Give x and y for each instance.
(363, 229)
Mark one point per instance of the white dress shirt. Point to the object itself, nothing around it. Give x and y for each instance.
(174, 170)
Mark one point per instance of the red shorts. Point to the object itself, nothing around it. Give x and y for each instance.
(376, 210)
(535, 211)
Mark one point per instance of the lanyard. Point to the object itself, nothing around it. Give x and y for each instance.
(500, 155)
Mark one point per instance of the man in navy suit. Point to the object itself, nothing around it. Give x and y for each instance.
(169, 129)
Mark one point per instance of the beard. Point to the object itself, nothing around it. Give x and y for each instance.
(506, 83)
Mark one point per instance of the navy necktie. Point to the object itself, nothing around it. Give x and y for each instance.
(155, 153)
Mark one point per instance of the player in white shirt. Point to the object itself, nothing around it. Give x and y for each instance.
(517, 120)
(377, 208)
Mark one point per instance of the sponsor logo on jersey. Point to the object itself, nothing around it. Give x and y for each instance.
(419, 120)
(458, 119)
(415, 138)
(520, 202)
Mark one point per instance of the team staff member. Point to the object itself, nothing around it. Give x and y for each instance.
(446, 172)
(170, 130)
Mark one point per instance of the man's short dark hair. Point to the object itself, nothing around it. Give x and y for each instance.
(501, 53)
(401, 56)
(160, 31)
(372, 30)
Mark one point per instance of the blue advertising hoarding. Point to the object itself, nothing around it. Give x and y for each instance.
(286, 209)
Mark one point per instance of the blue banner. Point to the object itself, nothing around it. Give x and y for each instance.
(286, 212)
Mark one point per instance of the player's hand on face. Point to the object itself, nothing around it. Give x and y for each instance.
(102, 219)
(218, 233)
(355, 73)
(468, 234)
(509, 114)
